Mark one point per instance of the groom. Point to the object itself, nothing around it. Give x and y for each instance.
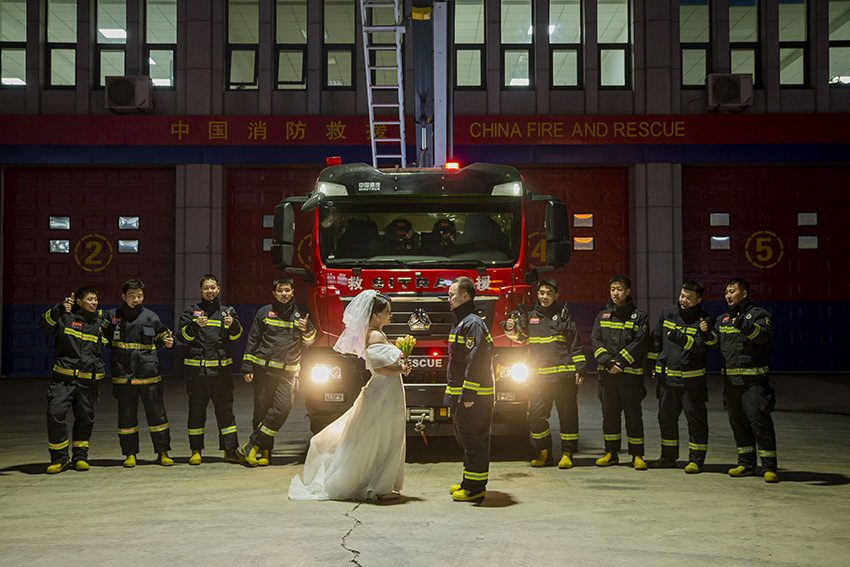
(470, 390)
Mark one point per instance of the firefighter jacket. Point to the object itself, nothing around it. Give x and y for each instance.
(133, 336)
(208, 346)
(678, 347)
(275, 339)
(744, 333)
(554, 345)
(79, 338)
(470, 372)
(621, 336)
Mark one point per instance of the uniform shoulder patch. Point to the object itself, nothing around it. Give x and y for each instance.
(272, 314)
(645, 328)
(749, 315)
(116, 320)
(606, 315)
(470, 342)
(534, 321)
(197, 313)
(726, 319)
(77, 325)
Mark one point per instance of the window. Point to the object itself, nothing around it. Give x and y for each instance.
(694, 42)
(839, 42)
(291, 44)
(161, 41)
(61, 43)
(111, 38)
(793, 49)
(613, 28)
(744, 37)
(469, 44)
(565, 52)
(517, 34)
(339, 44)
(13, 46)
(243, 38)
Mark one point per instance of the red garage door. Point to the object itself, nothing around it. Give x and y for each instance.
(68, 227)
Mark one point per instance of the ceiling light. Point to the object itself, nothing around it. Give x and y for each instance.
(12, 81)
(113, 33)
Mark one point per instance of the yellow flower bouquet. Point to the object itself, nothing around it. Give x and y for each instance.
(405, 345)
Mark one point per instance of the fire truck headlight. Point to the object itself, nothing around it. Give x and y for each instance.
(519, 372)
(320, 374)
(513, 189)
(332, 189)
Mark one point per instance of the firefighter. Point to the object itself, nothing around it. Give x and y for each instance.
(470, 391)
(271, 363)
(679, 350)
(208, 330)
(744, 339)
(556, 367)
(620, 341)
(77, 326)
(134, 332)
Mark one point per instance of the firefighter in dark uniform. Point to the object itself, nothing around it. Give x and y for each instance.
(556, 369)
(77, 326)
(272, 362)
(471, 390)
(679, 350)
(134, 332)
(744, 337)
(620, 341)
(208, 330)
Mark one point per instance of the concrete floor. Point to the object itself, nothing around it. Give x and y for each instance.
(223, 514)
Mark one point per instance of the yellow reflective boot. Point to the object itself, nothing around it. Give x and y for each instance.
(265, 458)
(543, 460)
(195, 459)
(164, 459)
(234, 456)
(248, 453)
(463, 495)
(742, 471)
(693, 468)
(81, 465)
(58, 467)
(566, 461)
(771, 477)
(638, 463)
(454, 488)
(608, 460)
(130, 461)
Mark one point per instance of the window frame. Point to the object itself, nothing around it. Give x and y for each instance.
(53, 46)
(282, 47)
(704, 46)
(804, 45)
(14, 45)
(755, 46)
(234, 47)
(577, 47)
(627, 46)
(481, 48)
(326, 49)
(836, 43)
(529, 49)
(148, 47)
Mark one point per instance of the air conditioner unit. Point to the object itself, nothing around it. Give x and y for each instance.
(729, 92)
(129, 94)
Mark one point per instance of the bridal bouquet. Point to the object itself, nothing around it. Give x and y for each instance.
(405, 345)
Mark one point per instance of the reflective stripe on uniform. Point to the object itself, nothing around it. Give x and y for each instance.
(454, 390)
(186, 335)
(49, 319)
(287, 367)
(546, 340)
(542, 435)
(697, 447)
(556, 369)
(600, 350)
(72, 372)
(689, 343)
(267, 431)
(635, 440)
(254, 359)
(228, 430)
(81, 443)
(764, 454)
(635, 371)
(681, 373)
(278, 323)
(196, 431)
(58, 446)
(128, 430)
(80, 335)
(755, 333)
(237, 335)
(625, 354)
(133, 346)
(569, 436)
(207, 363)
(742, 450)
(613, 436)
(469, 475)
(669, 442)
(155, 428)
(744, 371)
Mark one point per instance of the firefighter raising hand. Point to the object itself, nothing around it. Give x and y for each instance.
(68, 303)
(202, 320)
(227, 318)
(168, 341)
(302, 323)
(703, 325)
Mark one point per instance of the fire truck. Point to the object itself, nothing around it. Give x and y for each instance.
(408, 233)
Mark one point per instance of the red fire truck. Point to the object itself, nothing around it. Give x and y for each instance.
(408, 233)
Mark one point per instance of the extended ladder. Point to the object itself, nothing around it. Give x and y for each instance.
(386, 132)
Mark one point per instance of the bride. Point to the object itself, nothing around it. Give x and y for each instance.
(360, 456)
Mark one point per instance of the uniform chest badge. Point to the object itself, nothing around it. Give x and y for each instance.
(116, 321)
(554, 317)
(272, 314)
(749, 315)
(197, 313)
(726, 319)
(77, 325)
(534, 321)
(297, 315)
(606, 315)
(634, 315)
(470, 342)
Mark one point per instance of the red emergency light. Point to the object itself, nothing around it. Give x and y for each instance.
(452, 165)
(435, 353)
(334, 160)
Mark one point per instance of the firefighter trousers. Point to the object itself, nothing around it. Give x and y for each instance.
(622, 393)
(672, 400)
(205, 384)
(562, 390)
(749, 409)
(273, 393)
(472, 431)
(128, 418)
(80, 396)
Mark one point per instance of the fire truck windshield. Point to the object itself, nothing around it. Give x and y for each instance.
(420, 232)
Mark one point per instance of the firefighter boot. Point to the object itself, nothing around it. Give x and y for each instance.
(58, 467)
(233, 456)
(742, 471)
(195, 459)
(544, 460)
(454, 488)
(164, 459)
(566, 461)
(130, 461)
(81, 465)
(662, 463)
(693, 468)
(463, 495)
(638, 463)
(771, 477)
(608, 460)
(248, 453)
(265, 458)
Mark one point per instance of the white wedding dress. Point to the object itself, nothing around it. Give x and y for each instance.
(361, 455)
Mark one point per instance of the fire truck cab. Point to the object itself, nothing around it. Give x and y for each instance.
(408, 233)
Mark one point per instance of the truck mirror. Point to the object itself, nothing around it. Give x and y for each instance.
(284, 224)
(557, 222)
(558, 254)
(283, 255)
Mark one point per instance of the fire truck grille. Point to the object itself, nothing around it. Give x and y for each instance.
(438, 311)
